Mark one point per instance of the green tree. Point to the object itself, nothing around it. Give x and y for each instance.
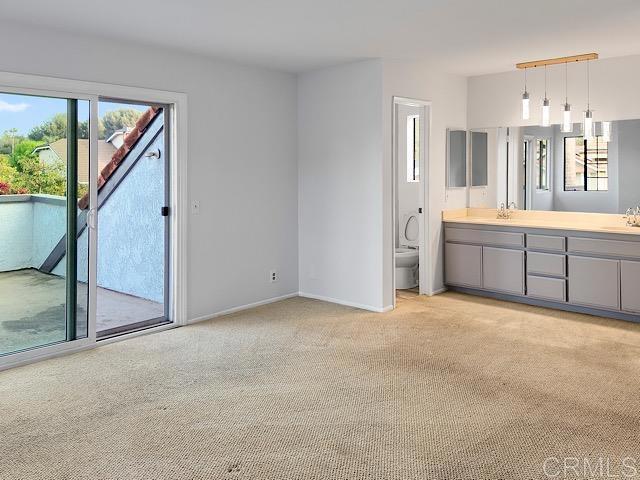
(32, 175)
(53, 129)
(119, 119)
(56, 128)
(22, 151)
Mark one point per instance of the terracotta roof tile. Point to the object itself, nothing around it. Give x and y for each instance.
(129, 141)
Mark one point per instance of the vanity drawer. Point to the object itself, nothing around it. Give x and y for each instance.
(604, 247)
(484, 237)
(545, 288)
(546, 264)
(546, 242)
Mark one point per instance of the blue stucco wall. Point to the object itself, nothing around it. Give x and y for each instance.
(16, 233)
(131, 233)
(30, 226)
(49, 225)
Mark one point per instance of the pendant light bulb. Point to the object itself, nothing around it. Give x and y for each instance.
(606, 131)
(567, 126)
(546, 105)
(525, 106)
(587, 121)
(588, 125)
(525, 99)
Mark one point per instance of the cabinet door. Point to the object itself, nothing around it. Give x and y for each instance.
(594, 282)
(630, 286)
(463, 265)
(503, 270)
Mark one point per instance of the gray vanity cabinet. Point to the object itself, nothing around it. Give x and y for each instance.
(463, 265)
(594, 282)
(503, 270)
(630, 286)
(575, 271)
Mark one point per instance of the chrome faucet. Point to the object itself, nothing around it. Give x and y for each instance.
(633, 217)
(504, 213)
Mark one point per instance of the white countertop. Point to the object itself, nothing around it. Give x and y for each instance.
(577, 221)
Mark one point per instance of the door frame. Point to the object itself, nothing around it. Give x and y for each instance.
(83, 90)
(425, 284)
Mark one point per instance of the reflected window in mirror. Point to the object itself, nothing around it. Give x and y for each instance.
(586, 164)
(541, 166)
(413, 148)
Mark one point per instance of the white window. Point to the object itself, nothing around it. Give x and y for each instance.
(413, 148)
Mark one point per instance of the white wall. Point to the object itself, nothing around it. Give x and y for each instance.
(345, 174)
(340, 142)
(494, 100)
(448, 97)
(242, 155)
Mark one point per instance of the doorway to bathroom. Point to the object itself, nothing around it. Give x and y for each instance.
(410, 154)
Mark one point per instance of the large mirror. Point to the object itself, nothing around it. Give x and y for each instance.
(479, 158)
(543, 168)
(456, 158)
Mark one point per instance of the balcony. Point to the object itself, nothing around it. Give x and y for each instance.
(32, 298)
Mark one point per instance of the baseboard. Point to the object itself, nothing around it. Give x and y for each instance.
(242, 307)
(346, 303)
(439, 291)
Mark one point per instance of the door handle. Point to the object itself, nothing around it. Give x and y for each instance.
(91, 218)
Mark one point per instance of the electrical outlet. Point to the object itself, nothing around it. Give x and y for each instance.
(273, 276)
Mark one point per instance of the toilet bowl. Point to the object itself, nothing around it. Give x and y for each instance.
(407, 257)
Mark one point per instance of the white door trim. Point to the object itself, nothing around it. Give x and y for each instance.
(423, 202)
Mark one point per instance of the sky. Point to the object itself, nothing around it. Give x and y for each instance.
(24, 112)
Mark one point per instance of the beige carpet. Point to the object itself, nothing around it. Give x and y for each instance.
(450, 387)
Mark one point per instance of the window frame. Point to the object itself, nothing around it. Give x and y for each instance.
(413, 154)
(586, 176)
(538, 170)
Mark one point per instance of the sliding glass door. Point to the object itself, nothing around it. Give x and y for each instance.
(46, 163)
(133, 217)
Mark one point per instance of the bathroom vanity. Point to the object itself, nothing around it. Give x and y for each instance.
(587, 263)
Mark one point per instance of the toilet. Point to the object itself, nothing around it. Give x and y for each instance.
(407, 252)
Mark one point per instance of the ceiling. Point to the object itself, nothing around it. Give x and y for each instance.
(468, 37)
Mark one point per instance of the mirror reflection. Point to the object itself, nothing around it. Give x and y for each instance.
(543, 168)
(456, 158)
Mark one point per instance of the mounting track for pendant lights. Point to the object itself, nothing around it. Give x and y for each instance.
(566, 115)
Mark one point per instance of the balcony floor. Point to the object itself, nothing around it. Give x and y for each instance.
(32, 307)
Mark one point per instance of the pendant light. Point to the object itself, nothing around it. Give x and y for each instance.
(606, 132)
(546, 106)
(525, 99)
(567, 126)
(587, 124)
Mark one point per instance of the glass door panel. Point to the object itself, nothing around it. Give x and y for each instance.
(44, 166)
(132, 249)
